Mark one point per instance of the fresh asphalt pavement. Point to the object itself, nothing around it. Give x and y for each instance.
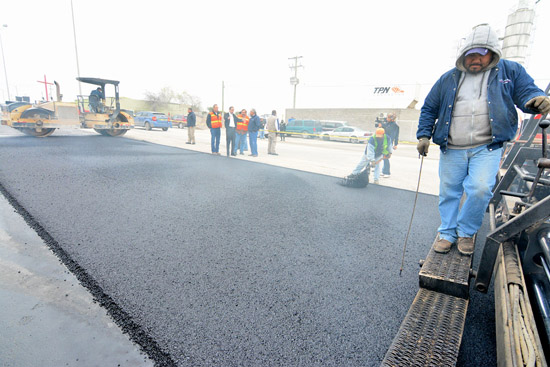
(210, 261)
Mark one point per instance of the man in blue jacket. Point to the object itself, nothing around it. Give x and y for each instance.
(470, 112)
(191, 122)
(253, 126)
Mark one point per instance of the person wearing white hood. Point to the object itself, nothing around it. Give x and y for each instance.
(470, 113)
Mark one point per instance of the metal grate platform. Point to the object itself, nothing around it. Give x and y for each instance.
(431, 332)
(447, 273)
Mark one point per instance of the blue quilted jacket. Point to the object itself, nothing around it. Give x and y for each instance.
(509, 86)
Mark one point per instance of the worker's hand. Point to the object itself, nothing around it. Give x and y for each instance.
(422, 146)
(394, 147)
(540, 103)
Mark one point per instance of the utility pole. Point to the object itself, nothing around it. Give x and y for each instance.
(76, 52)
(4, 62)
(294, 80)
(223, 95)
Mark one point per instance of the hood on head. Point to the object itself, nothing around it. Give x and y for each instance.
(481, 36)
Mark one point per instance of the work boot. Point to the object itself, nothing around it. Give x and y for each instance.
(465, 245)
(442, 246)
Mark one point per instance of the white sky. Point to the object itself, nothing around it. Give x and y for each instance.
(348, 47)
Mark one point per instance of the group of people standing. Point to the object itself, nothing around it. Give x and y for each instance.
(237, 127)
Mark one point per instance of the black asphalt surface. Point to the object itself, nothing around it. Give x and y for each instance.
(212, 261)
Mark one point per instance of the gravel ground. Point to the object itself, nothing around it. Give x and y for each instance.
(210, 261)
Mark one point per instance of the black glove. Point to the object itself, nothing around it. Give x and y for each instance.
(540, 103)
(423, 145)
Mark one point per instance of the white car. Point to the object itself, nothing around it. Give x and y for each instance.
(347, 133)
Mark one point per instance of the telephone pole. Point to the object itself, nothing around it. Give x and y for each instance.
(76, 53)
(223, 95)
(294, 80)
(4, 62)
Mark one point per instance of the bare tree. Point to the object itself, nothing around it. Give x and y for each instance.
(189, 100)
(160, 99)
(167, 95)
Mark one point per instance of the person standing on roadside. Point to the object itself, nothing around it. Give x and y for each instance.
(283, 129)
(474, 105)
(254, 126)
(214, 123)
(191, 123)
(392, 131)
(261, 133)
(272, 126)
(230, 122)
(242, 131)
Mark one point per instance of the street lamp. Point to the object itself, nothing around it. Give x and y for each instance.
(4, 61)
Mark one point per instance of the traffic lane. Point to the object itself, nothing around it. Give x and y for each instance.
(313, 155)
(227, 262)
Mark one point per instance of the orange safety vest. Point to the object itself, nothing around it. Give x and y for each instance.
(244, 124)
(215, 121)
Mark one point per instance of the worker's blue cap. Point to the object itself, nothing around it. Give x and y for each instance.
(477, 50)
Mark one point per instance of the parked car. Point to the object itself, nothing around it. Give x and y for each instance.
(179, 120)
(329, 125)
(150, 120)
(306, 128)
(347, 133)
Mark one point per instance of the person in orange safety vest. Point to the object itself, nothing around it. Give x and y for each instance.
(242, 131)
(214, 123)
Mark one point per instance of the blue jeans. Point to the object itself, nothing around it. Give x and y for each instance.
(363, 163)
(253, 136)
(240, 141)
(215, 139)
(471, 171)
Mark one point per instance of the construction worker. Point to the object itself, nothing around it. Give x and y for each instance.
(214, 123)
(392, 131)
(95, 100)
(474, 105)
(378, 147)
(242, 131)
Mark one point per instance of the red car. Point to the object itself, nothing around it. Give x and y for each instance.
(179, 121)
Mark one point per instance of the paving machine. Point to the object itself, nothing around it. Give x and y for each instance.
(43, 118)
(516, 255)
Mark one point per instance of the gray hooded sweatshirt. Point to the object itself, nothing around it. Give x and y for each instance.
(470, 126)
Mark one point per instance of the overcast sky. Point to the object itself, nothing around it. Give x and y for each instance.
(348, 47)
